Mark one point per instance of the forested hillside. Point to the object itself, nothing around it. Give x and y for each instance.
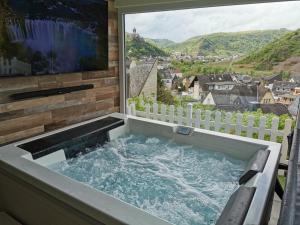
(161, 43)
(275, 52)
(228, 44)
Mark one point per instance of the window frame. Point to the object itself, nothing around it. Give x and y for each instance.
(132, 7)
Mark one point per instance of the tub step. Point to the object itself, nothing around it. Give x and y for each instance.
(80, 136)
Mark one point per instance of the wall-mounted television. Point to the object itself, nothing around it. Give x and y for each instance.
(39, 37)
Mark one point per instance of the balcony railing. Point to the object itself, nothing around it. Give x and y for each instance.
(217, 121)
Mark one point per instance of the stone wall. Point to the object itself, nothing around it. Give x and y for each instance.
(25, 118)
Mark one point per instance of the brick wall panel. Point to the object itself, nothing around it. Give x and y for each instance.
(20, 123)
(25, 118)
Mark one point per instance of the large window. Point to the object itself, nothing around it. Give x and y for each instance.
(242, 59)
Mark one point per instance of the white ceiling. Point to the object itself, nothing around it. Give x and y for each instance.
(135, 6)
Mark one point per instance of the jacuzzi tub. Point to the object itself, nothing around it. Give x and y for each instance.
(36, 194)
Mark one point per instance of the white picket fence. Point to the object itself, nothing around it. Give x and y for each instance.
(14, 66)
(212, 120)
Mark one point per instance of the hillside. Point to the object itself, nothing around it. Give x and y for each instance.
(275, 52)
(161, 43)
(228, 44)
(138, 47)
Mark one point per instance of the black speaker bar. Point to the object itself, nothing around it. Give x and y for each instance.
(50, 92)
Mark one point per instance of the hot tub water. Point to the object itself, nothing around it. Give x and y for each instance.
(182, 184)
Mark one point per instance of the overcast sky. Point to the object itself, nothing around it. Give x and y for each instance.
(183, 24)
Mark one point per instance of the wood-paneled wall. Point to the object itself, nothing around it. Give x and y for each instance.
(26, 118)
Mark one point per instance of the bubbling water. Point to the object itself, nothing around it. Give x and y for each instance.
(178, 183)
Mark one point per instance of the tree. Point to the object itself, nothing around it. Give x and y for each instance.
(163, 95)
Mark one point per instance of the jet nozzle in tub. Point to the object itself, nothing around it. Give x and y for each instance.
(184, 130)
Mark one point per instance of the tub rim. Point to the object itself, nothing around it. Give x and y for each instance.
(114, 211)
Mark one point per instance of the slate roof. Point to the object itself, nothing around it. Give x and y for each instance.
(221, 83)
(138, 76)
(281, 87)
(277, 109)
(284, 84)
(233, 102)
(219, 77)
(240, 90)
(272, 78)
(237, 99)
(224, 99)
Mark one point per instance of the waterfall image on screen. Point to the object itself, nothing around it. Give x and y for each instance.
(51, 37)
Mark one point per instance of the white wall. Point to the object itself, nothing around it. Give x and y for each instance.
(196, 90)
(209, 100)
(159, 5)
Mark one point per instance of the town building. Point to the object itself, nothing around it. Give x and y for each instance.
(166, 78)
(286, 99)
(283, 87)
(268, 98)
(285, 92)
(240, 98)
(177, 73)
(206, 83)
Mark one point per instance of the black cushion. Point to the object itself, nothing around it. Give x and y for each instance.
(255, 165)
(237, 207)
